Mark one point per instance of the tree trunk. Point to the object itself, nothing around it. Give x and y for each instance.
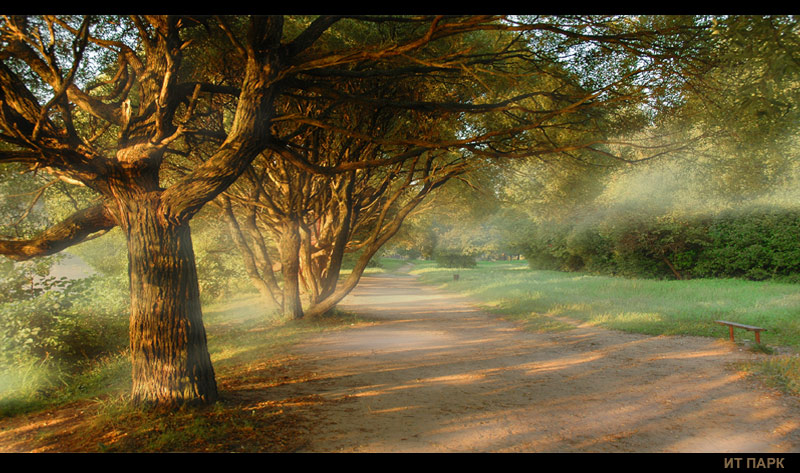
(290, 267)
(672, 267)
(169, 352)
(269, 292)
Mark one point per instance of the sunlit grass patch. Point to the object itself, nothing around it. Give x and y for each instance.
(541, 323)
(241, 331)
(249, 345)
(250, 330)
(633, 321)
(37, 386)
(781, 372)
(245, 349)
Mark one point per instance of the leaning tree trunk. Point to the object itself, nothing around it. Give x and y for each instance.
(265, 283)
(169, 353)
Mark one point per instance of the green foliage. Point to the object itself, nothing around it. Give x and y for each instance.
(54, 331)
(63, 340)
(592, 249)
(65, 322)
(220, 272)
(349, 260)
(107, 255)
(446, 259)
(462, 219)
(546, 248)
(757, 244)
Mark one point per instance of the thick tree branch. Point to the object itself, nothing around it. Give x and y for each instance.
(69, 232)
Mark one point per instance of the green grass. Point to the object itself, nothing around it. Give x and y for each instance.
(36, 386)
(245, 330)
(636, 305)
(654, 307)
(781, 372)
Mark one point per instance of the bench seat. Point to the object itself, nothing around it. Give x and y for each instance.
(732, 325)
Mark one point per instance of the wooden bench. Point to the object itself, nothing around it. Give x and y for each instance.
(732, 325)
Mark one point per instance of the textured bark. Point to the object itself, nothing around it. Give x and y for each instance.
(672, 267)
(290, 267)
(308, 267)
(71, 231)
(267, 287)
(169, 353)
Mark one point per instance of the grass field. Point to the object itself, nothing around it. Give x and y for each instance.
(655, 307)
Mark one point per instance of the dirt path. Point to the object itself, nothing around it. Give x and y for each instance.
(437, 375)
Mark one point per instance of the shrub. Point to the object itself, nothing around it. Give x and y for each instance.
(757, 244)
(455, 260)
(547, 247)
(594, 248)
(68, 322)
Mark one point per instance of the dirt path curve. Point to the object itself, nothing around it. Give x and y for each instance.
(435, 374)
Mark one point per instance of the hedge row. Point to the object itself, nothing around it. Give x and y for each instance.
(446, 259)
(756, 244)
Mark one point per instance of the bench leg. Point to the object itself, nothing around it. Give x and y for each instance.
(731, 330)
(758, 337)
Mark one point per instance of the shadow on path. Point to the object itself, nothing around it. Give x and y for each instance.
(435, 374)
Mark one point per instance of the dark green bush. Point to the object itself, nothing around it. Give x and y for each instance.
(757, 244)
(547, 248)
(455, 260)
(594, 248)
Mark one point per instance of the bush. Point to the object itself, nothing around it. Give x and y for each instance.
(455, 260)
(547, 248)
(68, 322)
(594, 248)
(758, 244)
